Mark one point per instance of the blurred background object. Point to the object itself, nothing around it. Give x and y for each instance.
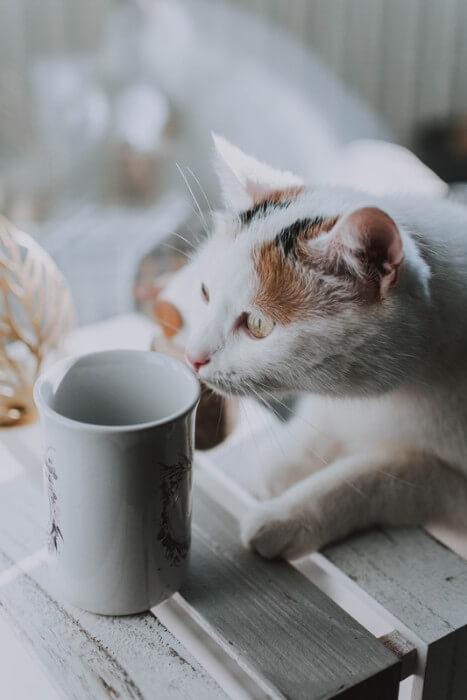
(36, 313)
(106, 110)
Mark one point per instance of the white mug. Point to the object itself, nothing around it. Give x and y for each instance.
(118, 436)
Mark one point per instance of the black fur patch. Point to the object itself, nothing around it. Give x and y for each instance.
(262, 209)
(287, 238)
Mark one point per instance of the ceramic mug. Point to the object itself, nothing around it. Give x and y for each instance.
(118, 436)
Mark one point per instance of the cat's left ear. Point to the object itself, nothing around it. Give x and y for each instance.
(244, 180)
(367, 245)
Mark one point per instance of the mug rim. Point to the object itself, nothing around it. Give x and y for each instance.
(60, 368)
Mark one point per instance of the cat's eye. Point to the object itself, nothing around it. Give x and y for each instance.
(204, 292)
(259, 325)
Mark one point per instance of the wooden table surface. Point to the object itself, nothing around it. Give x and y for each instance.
(241, 627)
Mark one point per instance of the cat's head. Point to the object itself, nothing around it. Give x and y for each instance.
(300, 289)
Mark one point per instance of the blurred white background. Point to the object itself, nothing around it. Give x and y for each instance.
(101, 99)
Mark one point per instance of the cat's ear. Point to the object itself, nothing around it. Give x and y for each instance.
(244, 180)
(367, 244)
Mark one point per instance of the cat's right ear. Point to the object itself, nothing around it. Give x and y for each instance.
(366, 245)
(244, 180)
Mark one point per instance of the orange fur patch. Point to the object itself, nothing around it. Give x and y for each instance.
(168, 317)
(282, 292)
(279, 195)
(283, 287)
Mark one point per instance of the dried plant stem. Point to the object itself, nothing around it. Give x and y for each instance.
(41, 314)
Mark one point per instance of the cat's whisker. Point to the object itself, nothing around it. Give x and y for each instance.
(179, 235)
(202, 217)
(196, 236)
(355, 488)
(397, 478)
(204, 228)
(313, 451)
(295, 413)
(270, 427)
(245, 418)
(202, 190)
(253, 433)
(177, 250)
(264, 401)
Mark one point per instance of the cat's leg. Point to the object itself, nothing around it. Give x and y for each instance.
(289, 454)
(355, 493)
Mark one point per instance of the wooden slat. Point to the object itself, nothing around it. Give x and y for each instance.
(89, 656)
(404, 650)
(276, 623)
(422, 584)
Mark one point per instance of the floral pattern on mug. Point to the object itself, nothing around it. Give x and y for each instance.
(175, 509)
(50, 474)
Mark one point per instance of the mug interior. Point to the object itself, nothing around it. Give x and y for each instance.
(120, 388)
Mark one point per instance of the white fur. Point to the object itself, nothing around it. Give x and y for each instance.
(243, 176)
(380, 436)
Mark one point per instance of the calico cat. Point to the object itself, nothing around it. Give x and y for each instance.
(358, 304)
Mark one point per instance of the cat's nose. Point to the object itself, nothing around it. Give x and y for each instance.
(198, 361)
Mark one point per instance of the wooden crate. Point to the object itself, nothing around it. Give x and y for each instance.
(241, 626)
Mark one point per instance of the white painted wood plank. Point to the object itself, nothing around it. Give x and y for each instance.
(89, 656)
(416, 578)
(236, 682)
(21, 676)
(275, 622)
(423, 585)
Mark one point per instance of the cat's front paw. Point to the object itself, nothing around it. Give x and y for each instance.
(273, 532)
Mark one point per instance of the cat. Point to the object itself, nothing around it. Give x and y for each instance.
(357, 303)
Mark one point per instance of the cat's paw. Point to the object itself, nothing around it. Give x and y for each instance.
(272, 532)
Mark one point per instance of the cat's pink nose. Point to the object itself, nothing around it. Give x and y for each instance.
(198, 361)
